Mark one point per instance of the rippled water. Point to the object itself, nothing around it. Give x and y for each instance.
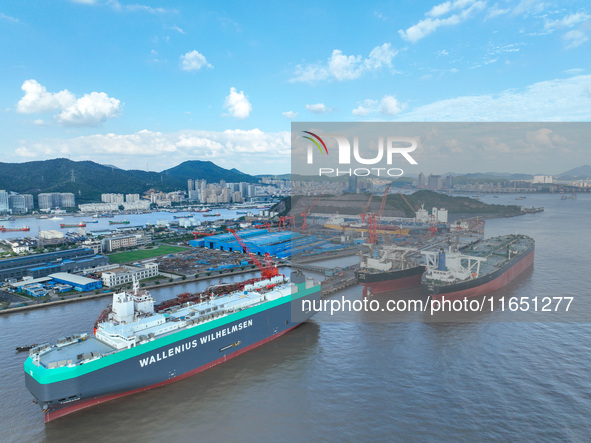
(399, 376)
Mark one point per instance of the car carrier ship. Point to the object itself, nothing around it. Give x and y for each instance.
(484, 267)
(138, 345)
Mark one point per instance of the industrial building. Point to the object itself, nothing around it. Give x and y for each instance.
(41, 265)
(125, 274)
(78, 282)
(258, 241)
(121, 241)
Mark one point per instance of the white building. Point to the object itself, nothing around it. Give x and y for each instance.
(542, 179)
(125, 274)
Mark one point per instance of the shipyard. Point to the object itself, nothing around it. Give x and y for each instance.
(287, 222)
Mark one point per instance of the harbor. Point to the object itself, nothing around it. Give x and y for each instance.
(312, 346)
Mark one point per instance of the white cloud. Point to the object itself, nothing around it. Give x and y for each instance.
(194, 61)
(137, 7)
(318, 108)
(237, 104)
(552, 100)
(367, 107)
(177, 29)
(345, 67)
(567, 21)
(89, 110)
(9, 18)
(252, 151)
(290, 114)
(390, 106)
(574, 38)
(387, 106)
(430, 24)
(37, 99)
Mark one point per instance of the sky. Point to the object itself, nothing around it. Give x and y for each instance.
(149, 85)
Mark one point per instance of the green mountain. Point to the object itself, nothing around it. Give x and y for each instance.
(196, 169)
(88, 180)
(582, 172)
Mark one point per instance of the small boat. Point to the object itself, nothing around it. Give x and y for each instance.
(90, 221)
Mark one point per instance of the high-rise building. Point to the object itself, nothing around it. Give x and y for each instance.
(243, 188)
(237, 197)
(132, 198)
(4, 206)
(45, 201)
(48, 200)
(225, 196)
(434, 181)
(112, 198)
(449, 182)
(421, 179)
(20, 203)
(195, 196)
(66, 200)
(190, 185)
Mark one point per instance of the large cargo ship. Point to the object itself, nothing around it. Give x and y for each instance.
(390, 268)
(482, 268)
(138, 346)
(72, 225)
(24, 228)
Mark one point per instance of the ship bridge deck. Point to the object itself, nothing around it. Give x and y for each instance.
(70, 354)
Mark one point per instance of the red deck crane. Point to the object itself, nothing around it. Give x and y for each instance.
(268, 270)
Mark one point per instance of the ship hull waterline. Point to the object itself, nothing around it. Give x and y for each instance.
(389, 281)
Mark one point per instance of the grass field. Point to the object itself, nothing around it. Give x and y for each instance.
(129, 256)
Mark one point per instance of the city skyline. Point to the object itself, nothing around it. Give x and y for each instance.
(148, 86)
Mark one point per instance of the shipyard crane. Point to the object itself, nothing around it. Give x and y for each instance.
(307, 211)
(414, 211)
(204, 234)
(365, 209)
(268, 270)
(383, 205)
(287, 222)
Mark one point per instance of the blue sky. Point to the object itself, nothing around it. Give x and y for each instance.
(152, 84)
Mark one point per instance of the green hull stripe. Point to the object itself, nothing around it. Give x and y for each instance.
(47, 376)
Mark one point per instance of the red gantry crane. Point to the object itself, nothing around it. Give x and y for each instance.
(268, 270)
